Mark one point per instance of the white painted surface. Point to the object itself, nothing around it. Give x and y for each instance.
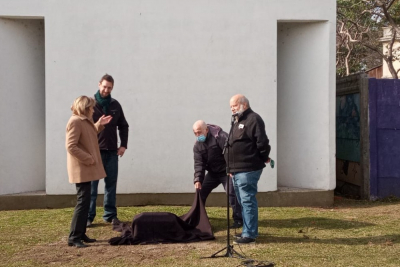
(22, 110)
(305, 125)
(174, 62)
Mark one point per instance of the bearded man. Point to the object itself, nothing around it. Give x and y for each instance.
(248, 151)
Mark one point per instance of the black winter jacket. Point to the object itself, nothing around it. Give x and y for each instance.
(208, 155)
(108, 139)
(249, 147)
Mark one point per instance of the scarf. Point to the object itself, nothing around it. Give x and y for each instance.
(104, 102)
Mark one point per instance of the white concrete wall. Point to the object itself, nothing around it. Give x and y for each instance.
(22, 108)
(305, 102)
(396, 64)
(174, 62)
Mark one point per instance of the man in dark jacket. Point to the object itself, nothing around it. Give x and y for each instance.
(248, 151)
(109, 150)
(207, 151)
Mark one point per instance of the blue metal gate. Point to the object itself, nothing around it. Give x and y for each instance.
(384, 129)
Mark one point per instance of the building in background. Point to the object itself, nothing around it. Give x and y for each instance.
(174, 62)
(386, 40)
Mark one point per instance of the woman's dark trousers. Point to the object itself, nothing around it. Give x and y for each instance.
(79, 219)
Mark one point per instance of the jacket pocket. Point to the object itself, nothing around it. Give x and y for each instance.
(114, 114)
(92, 162)
(239, 132)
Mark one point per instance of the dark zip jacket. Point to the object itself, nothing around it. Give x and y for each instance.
(208, 155)
(108, 139)
(249, 147)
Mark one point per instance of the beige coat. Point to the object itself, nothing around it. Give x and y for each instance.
(84, 162)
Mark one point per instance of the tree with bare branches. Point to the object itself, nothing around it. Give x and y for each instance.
(359, 35)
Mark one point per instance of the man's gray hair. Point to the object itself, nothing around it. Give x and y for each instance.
(244, 100)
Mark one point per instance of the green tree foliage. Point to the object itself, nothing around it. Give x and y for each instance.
(359, 32)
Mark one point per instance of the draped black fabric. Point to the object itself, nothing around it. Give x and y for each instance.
(166, 227)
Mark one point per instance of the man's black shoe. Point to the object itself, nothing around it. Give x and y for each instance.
(237, 224)
(77, 244)
(115, 221)
(86, 239)
(244, 240)
(112, 221)
(237, 236)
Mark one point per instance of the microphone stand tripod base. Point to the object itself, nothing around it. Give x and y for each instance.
(230, 253)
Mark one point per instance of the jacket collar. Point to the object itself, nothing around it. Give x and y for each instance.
(244, 114)
(83, 117)
(213, 130)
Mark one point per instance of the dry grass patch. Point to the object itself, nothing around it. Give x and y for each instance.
(351, 233)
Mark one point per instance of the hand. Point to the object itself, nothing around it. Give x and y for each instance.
(121, 151)
(268, 160)
(105, 120)
(197, 185)
(230, 175)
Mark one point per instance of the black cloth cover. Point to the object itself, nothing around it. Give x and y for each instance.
(166, 227)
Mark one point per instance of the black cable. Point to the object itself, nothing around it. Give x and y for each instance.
(253, 263)
(248, 262)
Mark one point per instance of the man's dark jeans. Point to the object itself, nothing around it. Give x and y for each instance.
(110, 163)
(211, 182)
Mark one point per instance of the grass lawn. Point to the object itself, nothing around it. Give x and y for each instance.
(351, 233)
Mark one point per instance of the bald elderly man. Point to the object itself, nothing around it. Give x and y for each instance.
(207, 151)
(248, 151)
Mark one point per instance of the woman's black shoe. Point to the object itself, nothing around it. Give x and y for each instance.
(77, 244)
(86, 239)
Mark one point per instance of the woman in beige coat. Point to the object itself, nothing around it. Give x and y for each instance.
(83, 163)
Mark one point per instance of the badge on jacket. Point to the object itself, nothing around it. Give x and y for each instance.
(241, 126)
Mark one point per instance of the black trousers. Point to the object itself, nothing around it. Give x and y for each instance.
(79, 219)
(211, 182)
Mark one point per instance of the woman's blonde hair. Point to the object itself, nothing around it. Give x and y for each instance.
(82, 105)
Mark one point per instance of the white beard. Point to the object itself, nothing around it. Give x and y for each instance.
(241, 109)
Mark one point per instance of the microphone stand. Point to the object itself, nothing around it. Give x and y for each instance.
(230, 252)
